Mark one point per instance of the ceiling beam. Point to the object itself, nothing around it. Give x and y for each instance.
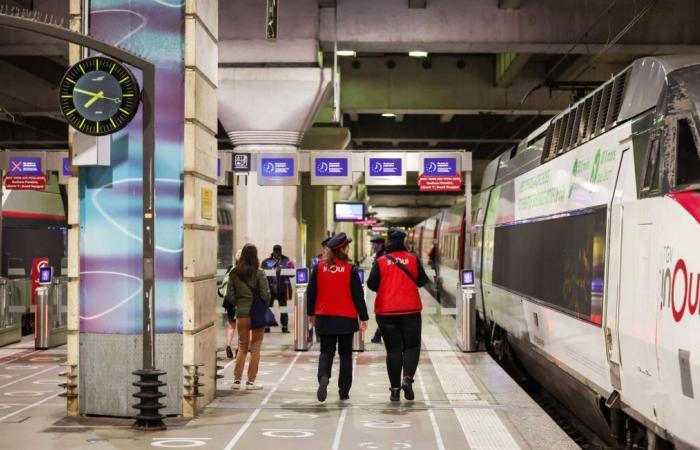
(508, 66)
(510, 4)
(365, 139)
(326, 3)
(455, 112)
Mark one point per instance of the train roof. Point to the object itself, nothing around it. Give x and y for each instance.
(631, 92)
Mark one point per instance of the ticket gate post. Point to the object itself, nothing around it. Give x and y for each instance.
(302, 342)
(49, 327)
(358, 339)
(10, 327)
(466, 314)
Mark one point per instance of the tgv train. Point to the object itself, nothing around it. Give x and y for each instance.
(585, 241)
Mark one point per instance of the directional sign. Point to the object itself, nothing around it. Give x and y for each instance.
(439, 183)
(25, 166)
(65, 165)
(242, 162)
(277, 167)
(333, 169)
(440, 166)
(385, 169)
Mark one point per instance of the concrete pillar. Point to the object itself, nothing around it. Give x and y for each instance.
(200, 206)
(313, 212)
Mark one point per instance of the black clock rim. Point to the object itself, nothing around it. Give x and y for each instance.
(132, 114)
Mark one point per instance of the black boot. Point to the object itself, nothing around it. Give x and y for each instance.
(344, 395)
(322, 391)
(407, 386)
(229, 352)
(395, 397)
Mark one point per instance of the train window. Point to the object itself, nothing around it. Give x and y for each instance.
(688, 159)
(651, 173)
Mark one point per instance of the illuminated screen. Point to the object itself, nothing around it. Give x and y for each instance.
(467, 278)
(302, 276)
(45, 275)
(348, 212)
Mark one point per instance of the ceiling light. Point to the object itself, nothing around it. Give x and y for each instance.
(388, 114)
(352, 53)
(418, 54)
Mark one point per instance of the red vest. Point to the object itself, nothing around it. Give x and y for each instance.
(334, 296)
(397, 294)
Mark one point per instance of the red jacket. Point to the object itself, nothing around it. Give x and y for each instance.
(334, 296)
(398, 294)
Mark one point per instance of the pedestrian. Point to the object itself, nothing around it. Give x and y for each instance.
(280, 285)
(247, 281)
(378, 248)
(335, 301)
(396, 278)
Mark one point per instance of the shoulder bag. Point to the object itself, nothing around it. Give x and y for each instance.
(261, 316)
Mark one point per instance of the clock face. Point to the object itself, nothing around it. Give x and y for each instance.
(99, 96)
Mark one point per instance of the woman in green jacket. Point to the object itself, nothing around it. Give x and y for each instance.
(243, 280)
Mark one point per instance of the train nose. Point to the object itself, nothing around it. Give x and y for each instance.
(689, 200)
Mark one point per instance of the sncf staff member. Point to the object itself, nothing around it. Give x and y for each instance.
(335, 300)
(396, 277)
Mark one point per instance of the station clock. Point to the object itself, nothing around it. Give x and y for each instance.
(99, 96)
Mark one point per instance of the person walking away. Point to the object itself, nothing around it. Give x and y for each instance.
(396, 278)
(321, 256)
(280, 285)
(335, 301)
(245, 280)
(379, 248)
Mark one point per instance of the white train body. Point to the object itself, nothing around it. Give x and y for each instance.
(586, 247)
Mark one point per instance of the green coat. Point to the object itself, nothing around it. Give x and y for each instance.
(239, 295)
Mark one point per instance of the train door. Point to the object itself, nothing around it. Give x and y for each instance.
(614, 265)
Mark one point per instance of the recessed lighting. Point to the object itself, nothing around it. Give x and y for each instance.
(388, 114)
(352, 53)
(418, 54)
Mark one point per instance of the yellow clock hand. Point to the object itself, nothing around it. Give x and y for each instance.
(94, 98)
(83, 91)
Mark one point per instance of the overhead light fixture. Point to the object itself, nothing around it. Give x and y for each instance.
(418, 54)
(388, 114)
(352, 53)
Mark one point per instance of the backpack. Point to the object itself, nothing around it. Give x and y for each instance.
(221, 291)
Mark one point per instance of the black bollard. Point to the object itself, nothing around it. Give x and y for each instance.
(149, 419)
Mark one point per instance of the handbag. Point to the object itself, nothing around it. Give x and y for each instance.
(261, 316)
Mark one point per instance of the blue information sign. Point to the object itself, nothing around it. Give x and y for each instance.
(277, 167)
(25, 166)
(331, 167)
(66, 167)
(440, 167)
(218, 168)
(385, 167)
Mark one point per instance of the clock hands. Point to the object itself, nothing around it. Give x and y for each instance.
(95, 96)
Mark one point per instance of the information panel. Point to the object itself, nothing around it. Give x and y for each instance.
(278, 169)
(333, 169)
(385, 169)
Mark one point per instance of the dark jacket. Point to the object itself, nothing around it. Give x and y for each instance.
(333, 324)
(280, 285)
(374, 278)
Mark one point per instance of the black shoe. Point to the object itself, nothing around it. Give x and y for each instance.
(376, 340)
(395, 397)
(322, 391)
(407, 386)
(285, 330)
(344, 395)
(229, 352)
(267, 330)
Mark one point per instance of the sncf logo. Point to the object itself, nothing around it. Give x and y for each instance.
(334, 269)
(681, 291)
(403, 261)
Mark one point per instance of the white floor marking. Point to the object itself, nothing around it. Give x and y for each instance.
(431, 414)
(343, 413)
(27, 377)
(179, 442)
(232, 443)
(482, 427)
(30, 406)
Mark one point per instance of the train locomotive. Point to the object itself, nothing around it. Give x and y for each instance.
(585, 245)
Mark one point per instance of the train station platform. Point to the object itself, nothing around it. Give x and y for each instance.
(462, 401)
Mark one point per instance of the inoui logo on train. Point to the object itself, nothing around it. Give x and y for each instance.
(680, 290)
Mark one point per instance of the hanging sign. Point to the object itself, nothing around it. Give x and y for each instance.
(242, 162)
(439, 172)
(331, 169)
(278, 170)
(385, 169)
(25, 174)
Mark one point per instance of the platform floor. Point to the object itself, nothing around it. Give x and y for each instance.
(462, 401)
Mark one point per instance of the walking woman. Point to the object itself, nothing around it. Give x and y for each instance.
(335, 301)
(244, 280)
(396, 277)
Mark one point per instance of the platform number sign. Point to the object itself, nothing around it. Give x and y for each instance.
(99, 96)
(241, 162)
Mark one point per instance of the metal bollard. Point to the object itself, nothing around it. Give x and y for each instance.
(42, 313)
(466, 321)
(301, 321)
(4, 304)
(57, 296)
(358, 339)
